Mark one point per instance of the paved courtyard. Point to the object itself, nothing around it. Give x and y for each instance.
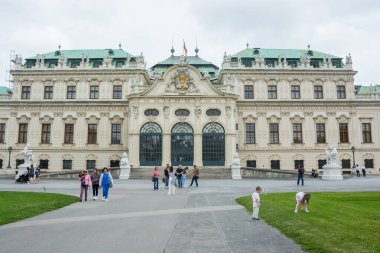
(137, 219)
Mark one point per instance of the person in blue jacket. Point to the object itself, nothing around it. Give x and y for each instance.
(105, 182)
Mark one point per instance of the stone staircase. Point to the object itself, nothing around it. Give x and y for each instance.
(205, 172)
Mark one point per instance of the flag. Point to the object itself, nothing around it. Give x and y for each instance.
(184, 48)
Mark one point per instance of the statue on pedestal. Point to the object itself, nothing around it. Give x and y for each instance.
(125, 167)
(235, 167)
(124, 160)
(332, 170)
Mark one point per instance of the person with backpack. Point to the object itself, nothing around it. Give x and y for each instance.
(301, 172)
(37, 173)
(95, 183)
(85, 182)
(105, 182)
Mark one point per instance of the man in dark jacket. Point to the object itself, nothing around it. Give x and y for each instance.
(301, 172)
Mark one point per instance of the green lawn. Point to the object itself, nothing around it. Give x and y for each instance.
(337, 222)
(16, 206)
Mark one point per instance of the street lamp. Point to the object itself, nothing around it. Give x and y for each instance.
(353, 156)
(9, 169)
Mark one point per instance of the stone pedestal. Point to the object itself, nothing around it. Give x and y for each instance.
(235, 171)
(124, 172)
(332, 172)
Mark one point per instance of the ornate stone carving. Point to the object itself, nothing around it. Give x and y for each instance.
(197, 111)
(62, 61)
(46, 119)
(249, 119)
(181, 82)
(67, 157)
(104, 114)
(91, 157)
(320, 119)
(92, 120)
(69, 119)
(135, 111)
(342, 119)
(228, 111)
(81, 114)
(261, 114)
(35, 114)
(57, 114)
(44, 157)
(273, 119)
(116, 119)
(166, 111)
(23, 119)
(296, 119)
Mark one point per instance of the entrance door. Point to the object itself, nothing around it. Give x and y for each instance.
(182, 144)
(213, 145)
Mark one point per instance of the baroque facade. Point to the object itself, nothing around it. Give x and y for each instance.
(277, 108)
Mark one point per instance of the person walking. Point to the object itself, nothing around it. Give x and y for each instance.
(95, 183)
(85, 182)
(256, 203)
(31, 174)
(172, 179)
(301, 172)
(364, 172)
(357, 170)
(105, 182)
(156, 175)
(179, 173)
(183, 178)
(37, 173)
(166, 178)
(195, 176)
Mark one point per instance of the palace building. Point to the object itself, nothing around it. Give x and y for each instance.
(277, 108)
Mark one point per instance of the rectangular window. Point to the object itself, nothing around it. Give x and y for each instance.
(272, 91)
(273, 133)
(116, 134)
(318, 91)
(367, 133)
(298, 163)
(90, 165)
(44, 164)
(119, 64)
(343, 132)
(346, 164)
(275, 164)
(92, 133)
(321, 133)
(250, 133)
(2, 133)
(369, 164)
(297, 133)
(248, 91)
(251, 163)
(22, 133)
(321, 163)
(69, 134)
(67, 164)
(71, 92)
(114, 163)
(19, 161)
(117, 92)
(341, 91)
(94, 91)
(296, 91)
(45, 135)
(25, 92)
(48, 92)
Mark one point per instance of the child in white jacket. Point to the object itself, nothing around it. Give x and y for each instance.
(256, 203)
(302, 199)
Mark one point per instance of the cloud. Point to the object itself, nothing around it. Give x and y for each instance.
(336, 27)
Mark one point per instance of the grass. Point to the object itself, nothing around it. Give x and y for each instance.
(15, 206)
(337, 222)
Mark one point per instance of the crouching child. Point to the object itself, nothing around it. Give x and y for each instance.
(256, 203)
(302, 199)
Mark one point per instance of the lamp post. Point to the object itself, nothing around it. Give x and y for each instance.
(353, 158)
(9, 169)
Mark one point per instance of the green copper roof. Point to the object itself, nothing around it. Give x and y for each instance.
(196, 61)
(90, 53)
(364, 90)
(275, 53)
(5, 90)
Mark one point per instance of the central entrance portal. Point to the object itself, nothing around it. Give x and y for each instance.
(182, 145)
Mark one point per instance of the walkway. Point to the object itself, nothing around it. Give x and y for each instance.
(136, 219)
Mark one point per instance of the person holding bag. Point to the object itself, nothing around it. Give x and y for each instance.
(105, 182)
(85, 182)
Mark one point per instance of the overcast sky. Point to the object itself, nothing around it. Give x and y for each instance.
(338, 27)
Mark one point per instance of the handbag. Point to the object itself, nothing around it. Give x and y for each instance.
(111, 184)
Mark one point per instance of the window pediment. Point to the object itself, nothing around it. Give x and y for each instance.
(273, 119)
(320, 119)
(342, 118)
(46, 119)
(92, 120)
(23, 119)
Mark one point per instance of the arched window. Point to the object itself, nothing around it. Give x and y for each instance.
(213, 112)
(151, 112)
(182, 112)
(213, 145)
(182, 144)
(150, 145)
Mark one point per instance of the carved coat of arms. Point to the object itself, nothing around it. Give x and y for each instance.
(181, 82)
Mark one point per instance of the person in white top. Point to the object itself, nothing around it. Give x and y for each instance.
(256, 203)
(302, 199)
(363, 170)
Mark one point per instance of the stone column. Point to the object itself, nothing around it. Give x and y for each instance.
(166, 149)
(332, 128)
(198, 149)
(80, 130)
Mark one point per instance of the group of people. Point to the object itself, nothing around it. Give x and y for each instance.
(31, 174)
(175, 178)
(96, 181)
(302, 201)
(364, 172)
